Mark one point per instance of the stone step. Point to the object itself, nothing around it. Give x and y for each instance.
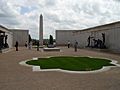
(4, 50)
(51, 49)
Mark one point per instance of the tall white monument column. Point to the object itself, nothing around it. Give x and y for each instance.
(41, 30)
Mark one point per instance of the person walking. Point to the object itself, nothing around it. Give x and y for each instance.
(38, 46)
(68, 44)
(16, 45)
(75, 46)
(30, 45)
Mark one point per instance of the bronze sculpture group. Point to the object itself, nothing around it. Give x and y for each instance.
(97, 43)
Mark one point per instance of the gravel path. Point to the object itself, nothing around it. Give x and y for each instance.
(17, 77)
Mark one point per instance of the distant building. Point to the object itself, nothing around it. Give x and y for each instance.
(111, 31)
(20, 35)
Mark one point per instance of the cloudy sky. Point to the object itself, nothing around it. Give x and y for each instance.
(58, 14)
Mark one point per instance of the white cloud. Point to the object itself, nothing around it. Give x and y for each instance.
(58, 14)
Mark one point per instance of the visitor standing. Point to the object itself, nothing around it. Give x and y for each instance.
(68, 44)
(38, 46)
(75, 46)
(26, 44)
(16, 45)
(31, 45)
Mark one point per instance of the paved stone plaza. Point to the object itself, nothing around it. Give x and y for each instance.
(14, 76)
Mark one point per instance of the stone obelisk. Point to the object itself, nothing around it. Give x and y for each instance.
(41, 30)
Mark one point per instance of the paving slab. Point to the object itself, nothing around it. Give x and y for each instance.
(14, 76)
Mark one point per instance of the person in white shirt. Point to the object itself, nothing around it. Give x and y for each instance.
(68, 44)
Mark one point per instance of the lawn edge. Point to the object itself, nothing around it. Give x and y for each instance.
(104, 68)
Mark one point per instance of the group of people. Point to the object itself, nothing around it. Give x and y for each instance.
(97, 43)
(92, 42)
(75, 45)
(27, 45)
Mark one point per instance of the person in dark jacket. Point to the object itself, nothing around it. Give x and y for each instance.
(75, 46)
(16, 45)
(38, 46)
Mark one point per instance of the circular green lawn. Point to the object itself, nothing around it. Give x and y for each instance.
(71, 63)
